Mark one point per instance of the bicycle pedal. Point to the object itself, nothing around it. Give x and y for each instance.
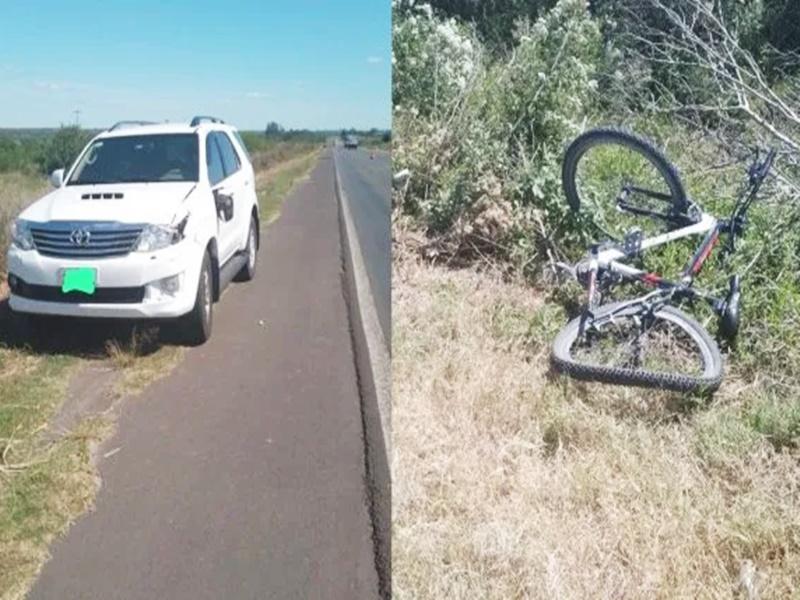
(632, 242)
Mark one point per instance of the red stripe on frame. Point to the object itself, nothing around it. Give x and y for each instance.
(704, 255)
(651, 279)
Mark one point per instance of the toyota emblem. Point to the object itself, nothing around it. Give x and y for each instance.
(80, 237)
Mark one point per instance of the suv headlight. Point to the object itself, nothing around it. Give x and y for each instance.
(21, 235)
(158, 237)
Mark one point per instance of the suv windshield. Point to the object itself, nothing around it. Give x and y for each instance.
(138, 158)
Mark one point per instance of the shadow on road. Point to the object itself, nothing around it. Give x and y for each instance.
(85, 338)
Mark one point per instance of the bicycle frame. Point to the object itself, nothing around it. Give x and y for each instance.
(709, 225)
(609, 259)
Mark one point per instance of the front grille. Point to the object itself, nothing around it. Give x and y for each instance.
(102, 295)
(85, 239)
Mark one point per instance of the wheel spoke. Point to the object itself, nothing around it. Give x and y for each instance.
(660, 346)
(672, 351)
(652, 194)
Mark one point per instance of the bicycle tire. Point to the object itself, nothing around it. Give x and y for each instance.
(564, 362)
(627, 139)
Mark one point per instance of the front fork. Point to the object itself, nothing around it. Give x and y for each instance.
(727, 309)
(593, 297)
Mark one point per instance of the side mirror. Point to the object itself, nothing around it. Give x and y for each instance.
(57, 178)
(224, 204)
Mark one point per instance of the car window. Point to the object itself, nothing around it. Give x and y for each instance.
(216, 170)
(242, 145)
(230, 160)
(138, 158)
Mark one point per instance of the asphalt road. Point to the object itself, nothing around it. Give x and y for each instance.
(241, 474)
(366, 180)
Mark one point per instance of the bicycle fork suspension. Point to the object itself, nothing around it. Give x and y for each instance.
(593, 297)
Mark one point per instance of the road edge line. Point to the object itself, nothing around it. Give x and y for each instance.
(373, 370)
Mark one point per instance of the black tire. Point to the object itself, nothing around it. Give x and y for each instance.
(564, 361)
(194, 328)
(248, 271)
(612, 136)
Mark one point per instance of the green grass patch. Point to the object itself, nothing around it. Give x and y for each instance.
(275, 184)
(778, 419)
(44, 483)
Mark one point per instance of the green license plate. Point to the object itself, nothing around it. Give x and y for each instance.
(79, 279)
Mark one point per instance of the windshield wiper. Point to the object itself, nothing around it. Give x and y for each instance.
(109, 181)
(129, 180)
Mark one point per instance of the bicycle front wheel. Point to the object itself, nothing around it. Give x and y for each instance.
(621, 180)
(672, 351)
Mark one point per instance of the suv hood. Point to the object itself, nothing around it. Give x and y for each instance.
(155, 203)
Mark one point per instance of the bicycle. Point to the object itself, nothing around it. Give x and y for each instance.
(647, 341)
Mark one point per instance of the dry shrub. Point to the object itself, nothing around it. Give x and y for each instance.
(278, 152)
(124, 351)
(508, 483)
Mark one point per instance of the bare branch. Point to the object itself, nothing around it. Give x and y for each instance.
(711, 73)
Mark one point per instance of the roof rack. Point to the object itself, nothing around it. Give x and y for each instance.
(202, 119)
(121, 124)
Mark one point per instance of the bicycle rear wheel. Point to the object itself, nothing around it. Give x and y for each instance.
(601, 164)
(672, 352)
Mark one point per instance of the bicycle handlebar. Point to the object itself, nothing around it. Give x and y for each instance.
(757, 172)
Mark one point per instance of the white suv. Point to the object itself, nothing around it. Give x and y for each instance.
(151, 221)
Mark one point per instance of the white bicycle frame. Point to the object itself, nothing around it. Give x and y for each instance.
(609, 258)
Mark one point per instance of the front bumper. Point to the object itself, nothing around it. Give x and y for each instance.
(131, 271)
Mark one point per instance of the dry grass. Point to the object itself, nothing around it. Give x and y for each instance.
(141, 360)
(274, 184)
(271, 154)
(508, 483)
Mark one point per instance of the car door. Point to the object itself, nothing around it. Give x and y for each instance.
(221, 188)
(237, 180)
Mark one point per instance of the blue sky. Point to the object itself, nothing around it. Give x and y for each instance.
(318, 64)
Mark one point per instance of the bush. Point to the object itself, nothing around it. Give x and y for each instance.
(433, 60)
(485, 155)
(495, 20)
(19, 154)
(63, 148)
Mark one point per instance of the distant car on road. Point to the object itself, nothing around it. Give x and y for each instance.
(151, 221)
(351, 141)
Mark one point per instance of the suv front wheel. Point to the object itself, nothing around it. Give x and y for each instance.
(195, 326)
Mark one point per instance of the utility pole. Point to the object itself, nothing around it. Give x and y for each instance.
(77, 112)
